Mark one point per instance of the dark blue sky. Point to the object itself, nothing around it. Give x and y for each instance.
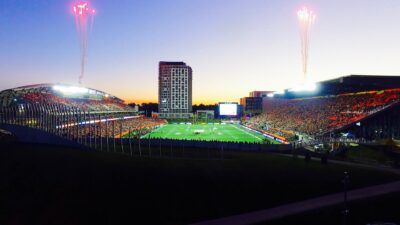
(234, 46)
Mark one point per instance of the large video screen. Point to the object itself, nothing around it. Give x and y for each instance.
(228, 109)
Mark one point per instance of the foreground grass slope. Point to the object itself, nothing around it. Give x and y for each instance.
(55, 185)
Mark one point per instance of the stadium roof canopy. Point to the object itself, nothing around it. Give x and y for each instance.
(346, 84)
(386, 81)
(31, 92)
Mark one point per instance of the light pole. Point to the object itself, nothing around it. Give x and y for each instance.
(130, 141)
(345, 211)
(149, 145)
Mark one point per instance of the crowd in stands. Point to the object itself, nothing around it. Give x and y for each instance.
(103, 104)
(118, 128)
(318, 115)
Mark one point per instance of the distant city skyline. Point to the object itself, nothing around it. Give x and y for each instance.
(233, 48)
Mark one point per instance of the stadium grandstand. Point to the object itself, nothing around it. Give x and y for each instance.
(76, 113)
(359, 107)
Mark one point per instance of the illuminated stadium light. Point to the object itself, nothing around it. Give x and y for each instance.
(70, 89)
(304, 87)
(271, 95)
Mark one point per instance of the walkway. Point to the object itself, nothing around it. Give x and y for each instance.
(303, 206)
(349, 163)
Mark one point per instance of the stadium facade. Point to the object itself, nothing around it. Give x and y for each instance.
(252, 105)
(81, 115)
(346, 84)
(57, 93)
(174, 90)
(362, 107)
(261, 94)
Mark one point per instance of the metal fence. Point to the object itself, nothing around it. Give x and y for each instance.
(103, 131)
(83, 126)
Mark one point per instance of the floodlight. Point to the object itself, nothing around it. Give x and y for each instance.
(70, 89)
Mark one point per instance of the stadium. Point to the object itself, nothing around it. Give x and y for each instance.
(199, 112)
(100, 121)
(43, 125)
(351, 108)
(83, 115)
(356, 108)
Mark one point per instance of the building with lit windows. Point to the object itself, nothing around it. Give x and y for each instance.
(174, 90)
(252, 105)
(261, 94)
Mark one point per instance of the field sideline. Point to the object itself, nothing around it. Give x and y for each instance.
(209, 132)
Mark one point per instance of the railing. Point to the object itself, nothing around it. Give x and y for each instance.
(116, 131)
(84, 127)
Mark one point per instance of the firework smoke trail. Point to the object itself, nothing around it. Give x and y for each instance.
(306, 20)
(82, 13)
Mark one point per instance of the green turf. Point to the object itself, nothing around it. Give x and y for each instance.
(211, 132)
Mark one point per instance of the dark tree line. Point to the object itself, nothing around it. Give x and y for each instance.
(148, 108)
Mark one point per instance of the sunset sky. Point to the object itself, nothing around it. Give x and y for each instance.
(234, 46)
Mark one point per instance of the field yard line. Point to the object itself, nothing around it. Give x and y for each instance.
(247, 132)
(187, 130)
(158, 128)
(229, 132)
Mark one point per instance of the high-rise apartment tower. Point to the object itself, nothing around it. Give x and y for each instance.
(174, 90)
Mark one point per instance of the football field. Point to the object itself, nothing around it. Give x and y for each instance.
(208, 132)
